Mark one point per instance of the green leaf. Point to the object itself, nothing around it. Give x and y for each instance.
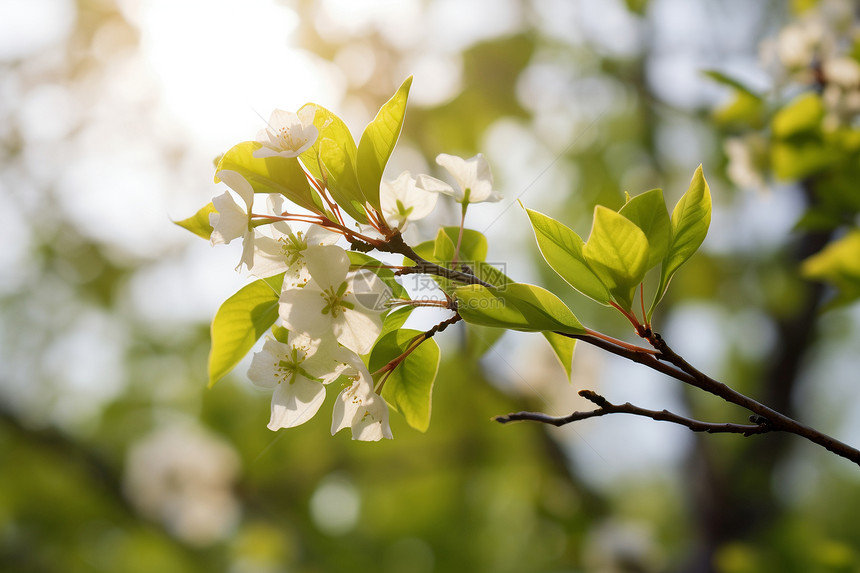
(395, 319)
(378, 141)
(690, 221)
(801, 157)
(563, 347)
(518, 306)
(801, 115)
(240, 322)
(617, 252)
(199, 222)
(839, 265)
(648, 212)
(473, 246)
(332, 159)
(271, 175)
(473, 251)
(443, 247)
(562, 250)
(731, 82)
(409, 387)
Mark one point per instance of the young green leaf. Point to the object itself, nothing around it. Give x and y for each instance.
(240, 322)
(648, 212)
(517, 307)
(801, 115)
(562, 250)
(690, 221)
(617, 251)
(443, 247)
(473, 246)
(563, 347)
(198, 223)
(378, 141)
(271, 175)
(409, 387)
(839, 265)
(332, 159)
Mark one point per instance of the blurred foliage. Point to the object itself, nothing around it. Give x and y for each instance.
(468, 495)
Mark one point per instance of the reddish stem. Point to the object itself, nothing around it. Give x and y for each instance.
(621, 343)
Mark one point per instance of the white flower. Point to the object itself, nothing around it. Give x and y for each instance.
(286, 250)
(747, 161)
(288, 134)
(472, 175)
(231, 221)
(185, 477)
(796, 44)
(360, 408)
(842, 71)
(297, 372)
(335, 300)
(403, 201)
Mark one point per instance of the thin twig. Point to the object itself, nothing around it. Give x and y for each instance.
(671, 364)
(605, 407)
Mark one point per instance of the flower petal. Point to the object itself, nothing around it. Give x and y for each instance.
(434, 185)
(296, 402)
(239, 184)
(229, 222)
(301, 309)
(357, 330)
(263, 371)
(317, 236)
(328, 265)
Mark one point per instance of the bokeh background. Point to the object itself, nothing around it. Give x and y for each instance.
(117, 458)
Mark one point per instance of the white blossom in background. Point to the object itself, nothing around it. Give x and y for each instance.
(288, 134)
(473, 177)
(347, 304)
(403, 201)
(286, 250)
(231, 220)
(297, 372)
(841, 95)
(362, 410)
(747, 161)
(183, 477)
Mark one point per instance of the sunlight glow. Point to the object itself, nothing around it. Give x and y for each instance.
(224, 65)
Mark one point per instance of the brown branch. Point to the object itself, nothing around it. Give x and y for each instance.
(671, 364)
(396, 244)
(605, 407)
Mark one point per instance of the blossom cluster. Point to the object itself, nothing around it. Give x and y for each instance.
(330, 314)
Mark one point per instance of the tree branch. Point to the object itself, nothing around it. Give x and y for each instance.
(671, 364)
(396, 244)
(605, 407)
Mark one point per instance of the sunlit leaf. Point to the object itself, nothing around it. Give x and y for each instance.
(199, 222)
(839, 265)
(240, 322)
(409, 387)
(443, 247)
(648, 212)
(332, 159)
(378, 141)
(517, 307)
(271, 175)
(562, 250)
(690, 221)
(617, 252)
(563, 347)
(803, 114)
